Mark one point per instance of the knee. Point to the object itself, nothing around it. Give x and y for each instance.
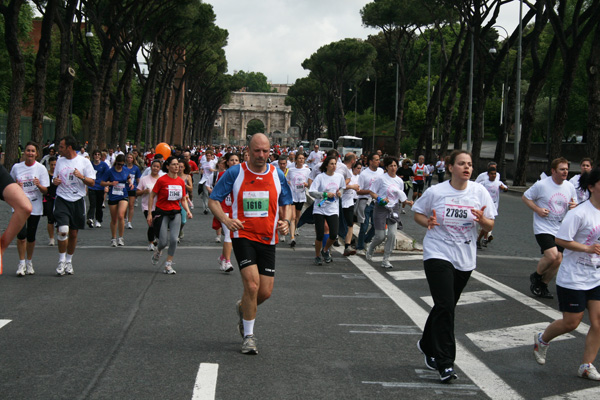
(251, 287)
(63, 232)
(571, 324)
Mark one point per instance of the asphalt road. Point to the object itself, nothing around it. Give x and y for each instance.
(121, 329)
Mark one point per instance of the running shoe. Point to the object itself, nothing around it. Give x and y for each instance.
(60, 270)
(326, 256)
(369, 254)
(240, 313)
(588, 371)
(21, 269)
(205, 211)
(156, 257)
(297, 232)
(181, 234)
(90, 223)
(490, 238)
(540, 349)
(360, 252)
(227, 266)
(151, 247)
(484, 243)
(293, 243)
(221, 260)
(349, 251)
(448, 375)
(249, 345)
(479, 245)
(169, 268)
(129, 225)
(218, 239)
(121, 242)
(30, 270)
(402, 211)
(318, 261)
(545, 293)
(98, 224)
(136, 203)
(429, 361)
(386, 264)
(336, 243)
(51, 242)
(536, 281)
(69, 268)
(113, 243)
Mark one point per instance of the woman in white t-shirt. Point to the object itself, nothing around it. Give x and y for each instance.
(578, 279)
(33, 178)
(326, 190)
(450, 211)
(388, 193)
(145, 186)
(493, 186)
(349, 198)
(297, 178)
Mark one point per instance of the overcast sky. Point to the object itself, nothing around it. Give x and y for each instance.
(275, 36)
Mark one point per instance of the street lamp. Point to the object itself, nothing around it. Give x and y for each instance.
(470, 120)
(518, 93)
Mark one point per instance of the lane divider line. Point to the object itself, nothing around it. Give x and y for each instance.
(206, 382)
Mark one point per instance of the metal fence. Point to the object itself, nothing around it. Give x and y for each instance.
(48, 127)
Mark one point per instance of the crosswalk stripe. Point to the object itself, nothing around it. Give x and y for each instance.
(477, 297)
(511, 337)
(206, 382)
(585, 394)
(3, 322)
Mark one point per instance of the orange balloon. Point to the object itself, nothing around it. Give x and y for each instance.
(164, 149)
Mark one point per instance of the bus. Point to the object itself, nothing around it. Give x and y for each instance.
(324, 144)
(347, 144)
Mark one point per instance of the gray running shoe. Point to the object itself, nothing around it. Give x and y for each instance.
(60, 270)
(156, 257)
(21, 269)
(429, 361)
(30, 270)
(238, 308)
(318, 261)
(249, 345)
(386, 264)
(169, 268)
(69, 268)
(326, 256)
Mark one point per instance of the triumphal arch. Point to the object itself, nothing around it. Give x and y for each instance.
(269, 108)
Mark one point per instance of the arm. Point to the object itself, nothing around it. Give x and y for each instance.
(576, 246)
(217, 210)
(542, 212)
(86, 180)
(150, 204)
(16, 198)
(425, 221)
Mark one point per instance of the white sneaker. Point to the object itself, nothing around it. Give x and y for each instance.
(29, 265)
(588, 371)
(60, 270)
(218, 239)
(121, 242)
(51, 242)
(540, 349)
(283, 239)
(361, 252)
(169, 268)
(386, 264)
(21, 269)
(129, 225)
(69, 268)
(113, 242)
(136, 203)
(156, 256)
(98, 224)
(369, 255)
(228, 266)
(151, 247)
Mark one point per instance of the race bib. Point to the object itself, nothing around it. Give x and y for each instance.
(175, 192)
(458, 218)
(28, 186)
(256, 204)
(118, 189)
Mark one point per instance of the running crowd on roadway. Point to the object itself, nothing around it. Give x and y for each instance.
(261, 195)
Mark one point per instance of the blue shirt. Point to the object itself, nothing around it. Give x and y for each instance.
(101, 169)
(134, 174)
(118, 192)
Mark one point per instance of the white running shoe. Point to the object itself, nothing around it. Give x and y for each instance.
(386, 264)
(228, 266)
(218, 239)
(30, 270)
(98, 224)
(21, 269)
(60, 270)
(69, 268)
(588, 371)
(129, 225)
(169, 268)
(369, 254)
(113, 242)
(51, 242)
(540, 349)
(120, 241)
(156, 256)
(151, 247)
(360, 252)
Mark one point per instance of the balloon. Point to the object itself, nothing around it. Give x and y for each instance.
(164, 149)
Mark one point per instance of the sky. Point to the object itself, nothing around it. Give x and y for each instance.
(275, 36)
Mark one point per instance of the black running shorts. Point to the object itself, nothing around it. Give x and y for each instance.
(248, 252)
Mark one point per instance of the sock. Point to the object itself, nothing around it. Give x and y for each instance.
(346, 245)
(69, 258)
(21, 261)
(248, 327)
(228, 260)
(541, 341)
(62, 257)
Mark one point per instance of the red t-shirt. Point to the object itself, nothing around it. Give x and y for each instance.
(149, 158)
(193, 165)
(169, 193)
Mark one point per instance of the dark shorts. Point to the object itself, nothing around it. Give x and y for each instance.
(115, 202)
(299, 205)
(131, 193)
(71, 213)
(418, 186)
(248, 252)
(29, 229)
(575, 301)
(546, 241)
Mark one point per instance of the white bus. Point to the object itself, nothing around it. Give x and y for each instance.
(347, 144)
(324, 144)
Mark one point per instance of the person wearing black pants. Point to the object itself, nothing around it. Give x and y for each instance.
(96, 192)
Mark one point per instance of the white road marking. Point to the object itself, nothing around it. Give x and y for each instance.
(511, 337)
(358, 296)
(407, 275)
(585, 394)
(482, 296)
(384, 329)
(490, 383)
(4, 322)
(206, 382)
(420, 385)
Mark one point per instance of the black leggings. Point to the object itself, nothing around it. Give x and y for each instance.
(96, 199)
(150, 231)
(29, 229)
(332, 220)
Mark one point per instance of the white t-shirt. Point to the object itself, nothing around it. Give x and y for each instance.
(455, 239)
(582, 195)
(349, 196)
(578, 270)
(440, 166)
(366, 178)
(494, 189)
(391, 188)
(330, 184)
(296, 178)
(314, 158)
(72, 188)
(25, 175)
(485, 177)
(147, 182)
(556, 198)
(207, 174)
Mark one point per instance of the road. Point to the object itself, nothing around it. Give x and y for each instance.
(120, 328)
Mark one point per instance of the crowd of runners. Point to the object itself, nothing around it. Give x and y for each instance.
(261, 195)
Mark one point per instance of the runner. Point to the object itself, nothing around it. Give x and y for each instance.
(406, 174)
(493, 186)
(208, 168)
(73, 173)
(578, 279)
(134, 178)
(49, 201)
(184, 173)
(118, 180)
(168, 192)
(314, 157)
(364, 207)
(550, 199)
(387, 192)
(33, 178)
(349, 198)
(144, 188)
(585, 166)
(261, 197)
(96, 192)
(326, 190)
(440, 168)
(14, 195)
(225, 265)
(297, 179)
(449, 254)
(420, 171)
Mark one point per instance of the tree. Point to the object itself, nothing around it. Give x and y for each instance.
(254, 82)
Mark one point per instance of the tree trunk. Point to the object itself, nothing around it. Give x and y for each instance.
(593, 119)
(459, 123)
(127, 100)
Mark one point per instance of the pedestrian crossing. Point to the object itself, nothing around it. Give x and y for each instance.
(4, 322)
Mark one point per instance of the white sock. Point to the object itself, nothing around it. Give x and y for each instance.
(62, 257)
(21, 261)
(248, 327)
(69, 258)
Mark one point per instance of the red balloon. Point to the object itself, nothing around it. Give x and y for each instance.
(164, 149)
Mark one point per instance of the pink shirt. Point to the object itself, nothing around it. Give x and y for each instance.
(147, 182)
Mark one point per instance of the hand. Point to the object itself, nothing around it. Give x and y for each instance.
(189, 215)
(78, 174)
(338, 194)
(234, 225)
(36, 182)
(131, 186)
(543, 212)
(478, 214)
(572, 204)
(56, 181)
(593, 249)
(149, 219)
(432, 221)
(330, 195)
(409, 202)
(105, 189)
(283, 227)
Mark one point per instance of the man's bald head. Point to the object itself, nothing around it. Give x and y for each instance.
(259, 138)
(259, 152)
